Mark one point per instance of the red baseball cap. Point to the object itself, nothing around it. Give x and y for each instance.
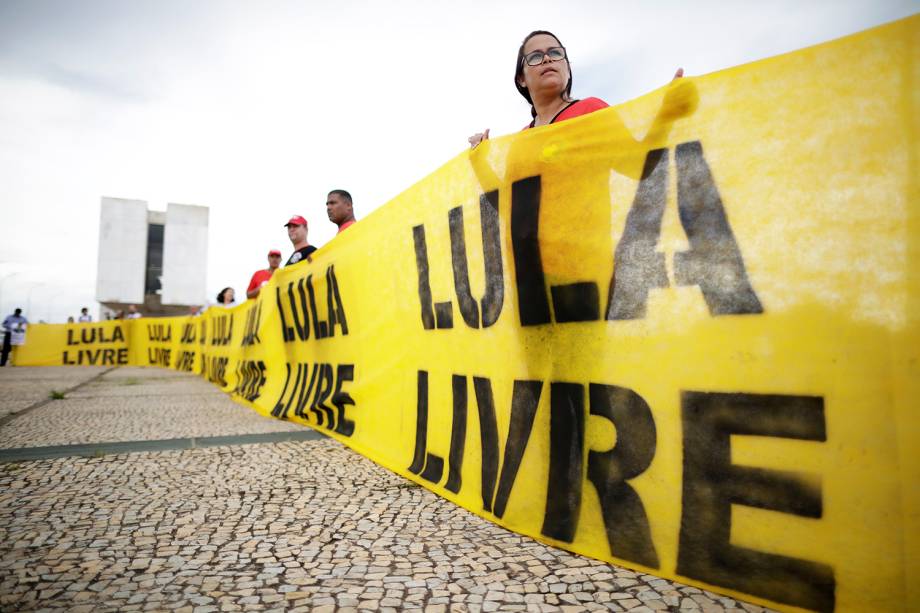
(274, 252)
(296, 220)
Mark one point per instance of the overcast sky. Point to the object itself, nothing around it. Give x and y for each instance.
(257, 109)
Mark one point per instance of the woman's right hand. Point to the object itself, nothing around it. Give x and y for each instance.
(477, 138)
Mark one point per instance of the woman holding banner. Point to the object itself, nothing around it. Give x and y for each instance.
(561, 233)
(560, 183)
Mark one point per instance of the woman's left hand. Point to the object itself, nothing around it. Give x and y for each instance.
(477, 138)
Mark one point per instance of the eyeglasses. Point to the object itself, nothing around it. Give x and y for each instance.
(553, 53)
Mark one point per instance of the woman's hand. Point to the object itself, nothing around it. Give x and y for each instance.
(477, 138)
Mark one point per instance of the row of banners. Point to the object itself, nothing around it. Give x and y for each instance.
(680, 334)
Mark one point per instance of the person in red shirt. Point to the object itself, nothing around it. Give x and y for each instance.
(339, 209)
(261, 277)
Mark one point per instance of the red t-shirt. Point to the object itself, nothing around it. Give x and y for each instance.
(258, 278)
(576, 109)
(345, 225)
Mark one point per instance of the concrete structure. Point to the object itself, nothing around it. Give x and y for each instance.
(185, 254)
(152, 259)
(122, 251)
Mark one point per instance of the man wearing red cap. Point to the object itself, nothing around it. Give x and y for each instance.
(297, 232)
(261, 277)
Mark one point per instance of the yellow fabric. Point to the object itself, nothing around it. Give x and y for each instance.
(738, 323)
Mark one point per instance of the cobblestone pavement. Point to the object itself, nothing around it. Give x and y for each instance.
(292, 526)
(130, 404)
(23, 387)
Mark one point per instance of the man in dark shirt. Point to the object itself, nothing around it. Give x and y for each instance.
(297, 232)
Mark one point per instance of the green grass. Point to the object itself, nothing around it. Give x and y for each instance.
(56, 395)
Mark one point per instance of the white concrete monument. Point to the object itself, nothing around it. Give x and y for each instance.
(185, 254)
(150, 258)
(122, 251)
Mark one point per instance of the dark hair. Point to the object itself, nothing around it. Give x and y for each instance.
(343, 194)
(519, 70)
(220, 296)
(17, 312)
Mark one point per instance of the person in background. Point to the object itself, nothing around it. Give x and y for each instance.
(133, 312)
(13, 326)
(339, 208)
(84, 315)
(70, 319)
(261, 277)
(297, 232)
(226, 297)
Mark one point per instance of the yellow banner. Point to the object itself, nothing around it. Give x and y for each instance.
(680, 334)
